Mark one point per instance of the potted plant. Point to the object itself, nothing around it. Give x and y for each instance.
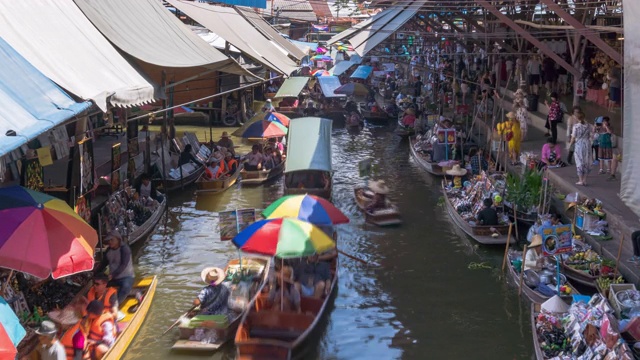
(523, 193)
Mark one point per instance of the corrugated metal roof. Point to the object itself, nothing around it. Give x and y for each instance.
(321, 8)
(291, 5)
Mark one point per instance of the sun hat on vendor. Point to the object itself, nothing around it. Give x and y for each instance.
(511, 115)
(113, 235)
(224, 134)
(457, 170)
(66, 316)
(47, 328)
(378, 187)
(536, 240)
(212, 275)
(410, 111)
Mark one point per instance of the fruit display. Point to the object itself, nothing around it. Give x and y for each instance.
(590, 262)
(604, 282)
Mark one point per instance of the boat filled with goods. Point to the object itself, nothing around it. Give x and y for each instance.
(538, 285)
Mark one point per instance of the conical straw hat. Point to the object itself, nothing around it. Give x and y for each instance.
(555, 305)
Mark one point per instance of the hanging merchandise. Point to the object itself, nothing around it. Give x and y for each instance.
(126, 210)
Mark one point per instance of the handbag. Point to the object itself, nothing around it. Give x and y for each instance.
(509, 136)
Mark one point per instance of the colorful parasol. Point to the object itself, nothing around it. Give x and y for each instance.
(264, 129)
(353, 89)
(41, 235)
(11, 331)
(284, 238)
(321, 73)
(320, 50)
(321, 57)
(311, 208)
(278, 118)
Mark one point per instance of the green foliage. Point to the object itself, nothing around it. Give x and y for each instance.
(524, 192)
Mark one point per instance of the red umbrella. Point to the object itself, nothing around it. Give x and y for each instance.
(277, 117)
(7, 349)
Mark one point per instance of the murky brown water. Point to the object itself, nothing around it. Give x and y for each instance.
(423, 302)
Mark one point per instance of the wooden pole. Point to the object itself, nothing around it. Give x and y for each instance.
(100, 244)
(619, 253)
(515, 221)
(506, 249)
(524, 257)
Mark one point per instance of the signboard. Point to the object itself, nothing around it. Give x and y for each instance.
(115, 181)
(116, 157)
(556, 239)
(446, 136)
(245, 217)
(579, 90)
(83, 208)
(85, 151)
(44, 154)
(32, 174)
(228, 224)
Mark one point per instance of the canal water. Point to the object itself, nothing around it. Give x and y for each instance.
(423, 301)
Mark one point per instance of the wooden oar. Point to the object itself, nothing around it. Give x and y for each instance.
(357, 259)
(179, 319)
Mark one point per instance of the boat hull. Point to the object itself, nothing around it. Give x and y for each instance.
(216, 186)
(143, 231)
(173, 185)
(260, 177)
(431, 167)
(389, 216)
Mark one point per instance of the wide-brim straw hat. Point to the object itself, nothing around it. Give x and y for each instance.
(66, 316)
(225, 134)
(536, 241)
(47, 328)
(511, 115)
(213, 275)
(410, 111)
(555, 305)
(379, 187)
(457, 170)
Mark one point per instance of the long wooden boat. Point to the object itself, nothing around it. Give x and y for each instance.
(388, 216)
(533, 295)
(217, 186)
(268, 334)
(377, 118)
(260, 177)
(177, 184)
(480, 233)
(322, 192)
(135, 312)
(423, 160)
(525, 218)
(143, 231)
(257, 269)
(404, 132)
(578, 276)
(535, 310)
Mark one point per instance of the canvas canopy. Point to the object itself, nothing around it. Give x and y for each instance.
(341, 67)
(58, 39)
(329, 84)
(31, 103)
(356, 28)
(292, 87)
(310, 140)
(234, 28)
(270, 32)
(362, 72)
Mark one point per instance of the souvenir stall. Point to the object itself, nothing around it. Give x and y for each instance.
(467, 196)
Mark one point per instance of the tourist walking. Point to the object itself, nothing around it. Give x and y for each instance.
(573, 119)
(555, 115)
(581, 140)
(605, 150)
(523, 117)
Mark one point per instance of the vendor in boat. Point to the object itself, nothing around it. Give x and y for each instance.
(107, 295)
(310, 110)
(102, 330)
(534, 260)
(226, 142)
(269, 159)
(186, 156)
(409, 117)
(313, 277)
(214, 297)
(120, 262)
(488, 216)
(148, 189)
(49, 346)
(458, 174)
(268, 107)
(380, 191)
(477, 161)
(287, 298)
(232, 164)
(254, 159)
(277, 144)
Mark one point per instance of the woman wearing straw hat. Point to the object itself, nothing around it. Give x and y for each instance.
(213, 298)
(226, 142)
(458, 173)
(534, 257)
(511, 131)
(409, 118)
(380, 190)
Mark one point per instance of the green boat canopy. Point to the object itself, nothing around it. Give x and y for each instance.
(309, 144)
(292, 87)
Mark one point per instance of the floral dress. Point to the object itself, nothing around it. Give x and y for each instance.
(523, 117)
(582, 154)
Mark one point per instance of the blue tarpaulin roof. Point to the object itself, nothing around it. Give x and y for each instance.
(362, 72)
(31, 102)
(261, 4)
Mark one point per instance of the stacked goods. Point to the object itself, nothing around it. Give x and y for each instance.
(467, 200)
(591, 263)
(551, 335)
(126, 210)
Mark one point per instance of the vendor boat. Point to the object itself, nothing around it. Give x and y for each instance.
(260, 177)
(376, 118)
(135, 308)
(143, 231)
(424, 160)
(535, 310)
(171, 185)
(268, 334)
(531, 280)
(488, 235)
(528, 218)
(582, 277)
(388, 216)
(217, 186)
(255, 274)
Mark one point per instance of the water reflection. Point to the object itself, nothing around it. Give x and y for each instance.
(421, 302)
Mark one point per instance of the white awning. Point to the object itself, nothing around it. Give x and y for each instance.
(235, 29)
(359, 26)
(149, 32)
(270, 32)
(56, 37)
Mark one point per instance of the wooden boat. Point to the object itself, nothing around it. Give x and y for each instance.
(535, 310)
(579, 277)
(404, 132)
(135, 312)
(257, 268)
(177, 184)
(525, 218)
(217, 186)
(480, 233)
(377, 118)
(424, 161)
(291, 189)
(260, 177)
(533, 295)
(383, 217)
(143, 231)
(267, 334)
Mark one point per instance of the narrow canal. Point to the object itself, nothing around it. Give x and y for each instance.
(422, 302)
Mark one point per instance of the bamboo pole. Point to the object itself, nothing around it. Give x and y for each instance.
(506, 248)
(524, 257)
(515, 221)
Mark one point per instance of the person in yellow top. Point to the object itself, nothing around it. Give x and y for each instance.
(512, 134)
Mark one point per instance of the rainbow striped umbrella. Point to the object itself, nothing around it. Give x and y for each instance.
(41, 235)
(284, 238)
(311, 208)
(264, 129)
(279, 118)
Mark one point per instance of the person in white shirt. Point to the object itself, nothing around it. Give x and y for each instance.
(533, 260)
(254, 159)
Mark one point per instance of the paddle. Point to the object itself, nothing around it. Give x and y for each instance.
(179, 319)
(357, 259)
